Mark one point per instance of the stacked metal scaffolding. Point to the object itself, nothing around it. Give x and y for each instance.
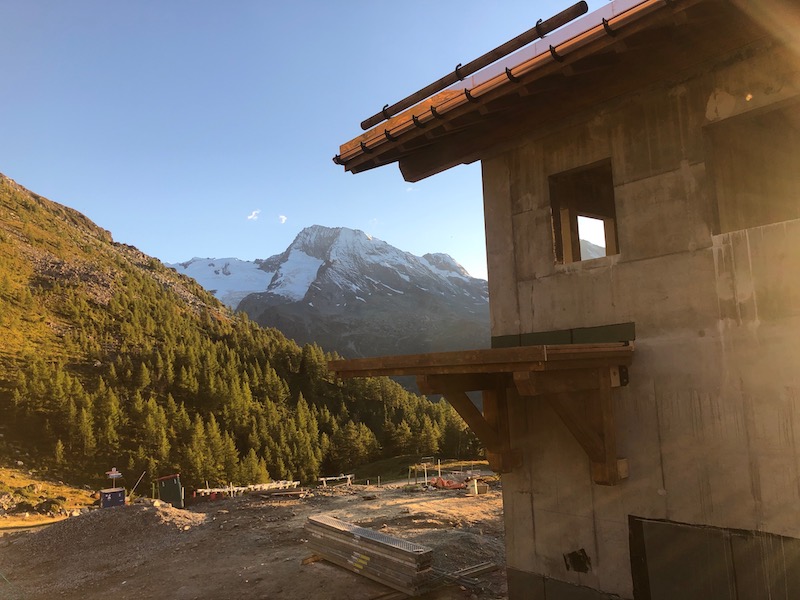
(399, 564)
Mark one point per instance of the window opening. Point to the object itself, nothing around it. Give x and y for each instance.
(584, 213)
(592, 234)
(755, 162)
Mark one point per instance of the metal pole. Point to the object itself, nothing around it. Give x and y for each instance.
(542, 28)
(138, 482)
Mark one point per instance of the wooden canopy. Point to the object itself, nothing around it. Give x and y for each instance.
(574, 379)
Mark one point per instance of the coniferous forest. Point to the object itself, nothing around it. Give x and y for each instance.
(108, 358)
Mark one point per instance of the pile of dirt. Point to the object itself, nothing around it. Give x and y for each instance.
(248, 547)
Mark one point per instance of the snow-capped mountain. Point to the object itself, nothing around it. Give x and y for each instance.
(229, 279)
(354, 294)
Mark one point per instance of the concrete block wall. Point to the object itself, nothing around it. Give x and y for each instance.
(711, 419)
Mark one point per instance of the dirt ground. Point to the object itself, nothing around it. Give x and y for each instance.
(249, 547)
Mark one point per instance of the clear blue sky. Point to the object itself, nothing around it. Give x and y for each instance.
(169, 123)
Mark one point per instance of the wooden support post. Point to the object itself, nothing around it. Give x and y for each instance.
(495, 411)
(609, 470)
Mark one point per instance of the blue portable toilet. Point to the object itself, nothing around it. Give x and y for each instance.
(112, 497)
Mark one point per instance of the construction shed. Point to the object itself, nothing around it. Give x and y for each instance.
(642, 394)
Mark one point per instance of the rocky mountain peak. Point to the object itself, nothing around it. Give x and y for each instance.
(365, 290)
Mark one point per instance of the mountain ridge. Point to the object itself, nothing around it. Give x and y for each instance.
(355, 294)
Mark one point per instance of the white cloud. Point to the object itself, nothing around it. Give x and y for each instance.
(282, 219)
(411, 189)
(253, 216)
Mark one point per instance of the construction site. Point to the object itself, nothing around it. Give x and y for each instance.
(340, 540)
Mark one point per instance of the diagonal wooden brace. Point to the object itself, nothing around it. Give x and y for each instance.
(473, 417)
(491, 426)
(582, 400)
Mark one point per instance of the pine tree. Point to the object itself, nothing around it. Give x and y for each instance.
(402, 439)
(86, 438)
(58, 453)
(428, 438)
(253, 469)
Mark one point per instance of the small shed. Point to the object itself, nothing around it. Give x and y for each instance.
(642, 394)
(170, 490)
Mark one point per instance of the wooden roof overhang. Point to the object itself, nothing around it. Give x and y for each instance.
(655, 40)
(576, 380)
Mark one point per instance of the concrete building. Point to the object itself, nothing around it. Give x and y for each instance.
(671, 470)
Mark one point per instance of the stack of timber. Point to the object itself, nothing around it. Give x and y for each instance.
(404, 566)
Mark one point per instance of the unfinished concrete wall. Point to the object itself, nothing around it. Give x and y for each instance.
(710, 422)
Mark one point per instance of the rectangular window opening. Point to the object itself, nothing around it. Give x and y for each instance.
(755, 166)
(584, 213)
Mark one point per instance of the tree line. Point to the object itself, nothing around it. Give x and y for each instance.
(142, 381)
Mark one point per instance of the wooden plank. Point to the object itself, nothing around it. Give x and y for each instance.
(437, 370)
(591, 363)
(473, 417)
(555, 382)
(468, 382)
(443, 359)
(493, 360)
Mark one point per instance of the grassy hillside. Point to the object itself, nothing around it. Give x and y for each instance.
(27, 500)
(109, 358)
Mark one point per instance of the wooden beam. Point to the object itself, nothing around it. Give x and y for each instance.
(533, 383)
(495, 411)
(601, 414)
(492, 360)
(440, 384)
(567, 407)
(473, 417)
